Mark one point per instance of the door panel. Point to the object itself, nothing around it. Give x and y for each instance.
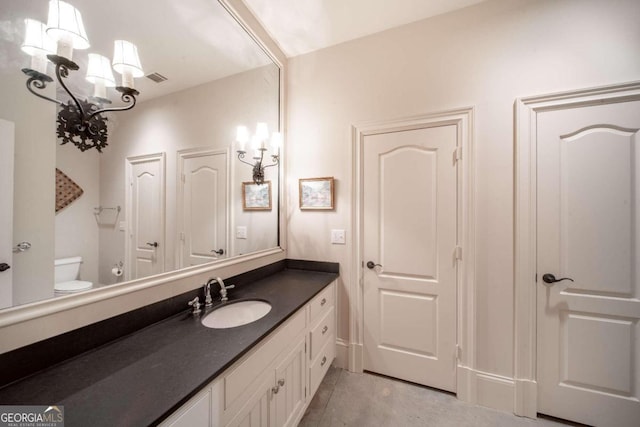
(588, 334)
(147, 205)
(6, 211)
(409, 228)
(203, 207)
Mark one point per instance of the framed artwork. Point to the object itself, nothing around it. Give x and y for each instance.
(317, 193)
(256, 197)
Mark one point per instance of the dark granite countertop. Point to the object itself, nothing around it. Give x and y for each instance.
(142, 378)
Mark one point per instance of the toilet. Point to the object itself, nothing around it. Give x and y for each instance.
(66, 272)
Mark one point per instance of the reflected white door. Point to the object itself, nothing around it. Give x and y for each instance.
(6, 212)
(146, 206)
(203, 204)
(410, 214)
(588, 212)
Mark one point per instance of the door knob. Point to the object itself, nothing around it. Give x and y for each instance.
(219, 251)
(154, 244)
(371, 265)
(4, 267)
(550, 278)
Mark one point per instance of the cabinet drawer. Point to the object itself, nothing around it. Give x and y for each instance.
(255, 364)
(321, 332)
(322, 301)
(320, 365)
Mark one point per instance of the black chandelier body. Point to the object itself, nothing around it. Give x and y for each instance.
(258, 167)
(79, 121)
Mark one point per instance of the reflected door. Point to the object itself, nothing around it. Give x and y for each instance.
(203, 206)
(410, 212)
(146, 206)
(588, 216)
(6, 212)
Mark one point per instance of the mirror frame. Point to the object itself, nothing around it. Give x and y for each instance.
(25, 324)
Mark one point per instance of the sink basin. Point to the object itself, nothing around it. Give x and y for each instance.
(236, 314)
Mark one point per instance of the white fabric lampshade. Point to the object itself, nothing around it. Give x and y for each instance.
(242, 137)
(262, 131)
(125, 58)
(36, 41)
(99, 70)
(65, 24)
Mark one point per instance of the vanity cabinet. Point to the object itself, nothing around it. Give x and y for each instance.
(273, 384)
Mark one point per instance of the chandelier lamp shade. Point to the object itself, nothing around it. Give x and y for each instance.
(259, 144)
(80, 122)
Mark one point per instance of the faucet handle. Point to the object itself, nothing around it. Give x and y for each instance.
(229, 287)
(208, 301)
(223, 291)
(195, 303)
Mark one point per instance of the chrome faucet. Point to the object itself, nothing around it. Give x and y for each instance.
(196, 305)
(208, 301)
(223, 288)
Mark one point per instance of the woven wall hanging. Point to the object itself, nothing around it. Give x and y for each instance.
(67, 191)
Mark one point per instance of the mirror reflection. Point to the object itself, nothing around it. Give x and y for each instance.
(168, 190)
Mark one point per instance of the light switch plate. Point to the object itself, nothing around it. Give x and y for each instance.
(338, 237)
(241, 232)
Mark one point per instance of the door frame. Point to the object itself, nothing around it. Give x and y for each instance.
(129, 162)
(463, 120)
(187, 154)
(525, 225)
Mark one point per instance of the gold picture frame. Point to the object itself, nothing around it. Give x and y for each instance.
(317, 193)
(256, 197)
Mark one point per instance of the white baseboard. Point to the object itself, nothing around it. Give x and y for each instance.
(485, 389)
(526, 398)
(342, 354)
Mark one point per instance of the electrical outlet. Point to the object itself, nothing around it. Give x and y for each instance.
(241, 232)
(337, 237)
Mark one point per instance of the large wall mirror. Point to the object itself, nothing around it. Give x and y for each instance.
(166, 192)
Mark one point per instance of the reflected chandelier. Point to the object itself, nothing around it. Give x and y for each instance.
(259, 146)
(79, 121)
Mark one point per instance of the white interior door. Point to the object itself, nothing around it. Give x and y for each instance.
(6, 212)
(203, 207)
(409, 228)
(146, 206)
(588, 211)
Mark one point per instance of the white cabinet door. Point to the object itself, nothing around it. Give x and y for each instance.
(290, 386)
(588, 164)
(259, 409)
(410, 229)
(196, 413)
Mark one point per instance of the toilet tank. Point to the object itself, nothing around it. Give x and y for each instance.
(67, 269)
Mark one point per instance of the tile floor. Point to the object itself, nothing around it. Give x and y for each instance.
(363, 400)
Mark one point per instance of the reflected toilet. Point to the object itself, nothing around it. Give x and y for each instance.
(66, 272)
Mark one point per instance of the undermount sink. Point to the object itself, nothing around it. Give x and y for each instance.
(236, 314)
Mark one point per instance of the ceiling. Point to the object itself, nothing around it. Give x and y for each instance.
(301, 26)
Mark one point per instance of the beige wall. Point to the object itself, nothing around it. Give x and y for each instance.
(484, 56)
(203, 116)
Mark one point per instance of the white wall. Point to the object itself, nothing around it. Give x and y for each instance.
(484, 56)
(203, 116)
(76, 225)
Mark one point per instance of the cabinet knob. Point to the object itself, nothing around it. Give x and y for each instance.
(281, 382)
(323, 302)
(325, 329)
(324, 360)
(275, 389)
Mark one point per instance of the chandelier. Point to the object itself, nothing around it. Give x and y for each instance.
(259, 146)
(80, 122)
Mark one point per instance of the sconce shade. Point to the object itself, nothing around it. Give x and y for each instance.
(65, 24)
(99, 70)
(36, 41)
(125, 58)
(276, 141)
(242, 137)
(262, 131)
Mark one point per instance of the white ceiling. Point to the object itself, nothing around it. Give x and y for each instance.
(301, 26)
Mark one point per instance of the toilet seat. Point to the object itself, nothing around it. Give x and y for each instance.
(73, 286)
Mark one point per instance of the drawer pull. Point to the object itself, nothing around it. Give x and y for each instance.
(324, 360)
(281, 382)
(275, 389)
(323, 302)
(325, 329)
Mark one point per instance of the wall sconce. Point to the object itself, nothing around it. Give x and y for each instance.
(79, 121)
(259, 145)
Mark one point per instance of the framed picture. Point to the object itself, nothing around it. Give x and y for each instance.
(316, 193)
(256, 197)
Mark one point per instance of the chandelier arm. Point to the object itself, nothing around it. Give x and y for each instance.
(126, 97)
(39, 84)
(62, 72)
